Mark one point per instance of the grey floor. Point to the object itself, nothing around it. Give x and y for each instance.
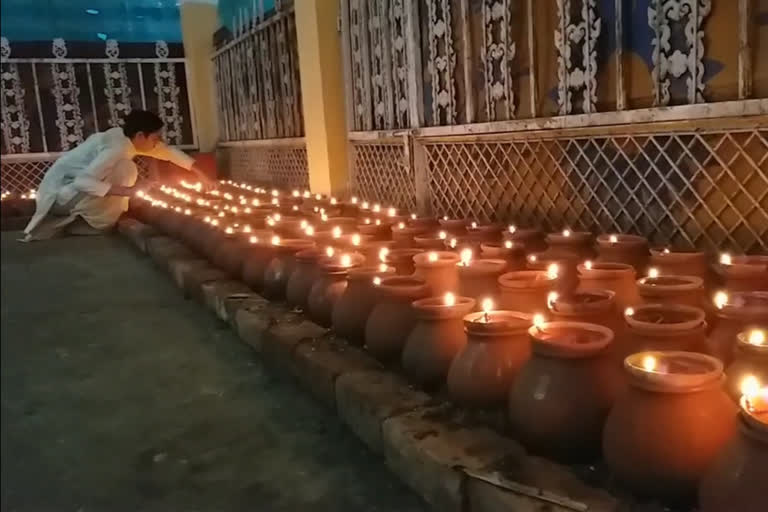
(119, 395)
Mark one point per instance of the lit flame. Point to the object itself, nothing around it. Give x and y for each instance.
(333, 200)
(346, 260)
(442, 235)
(532, 258)
(336, 232)
(588, 265)
(629, 312)
(720, 300)
(365, 205)
(376, 281)
(296, 193)
(391, 212)
(367, 221)
(318, 197)
(383, 267)
(413, 216)
(277, 217)
(229, 230)
(255, 202)
(140, 193)
(221, 214)
(275, 202)
(750, 386)
(508, 244)
(376, 208)
(487, 306)
(449, 299)
(756, 337)
(649, 363)
(214, 222)
(306, 194)
(474, 225)
(538, 320)
(275, 193)
(378, 222)
(295, 208)
(187, 212)
(666, 250)
(432, 256)
(512, 229)
(465, 255)
(653, 272)
(445, 217)
(613, 239)
(452, 243)
(401, 225)
(726, 259)
(309, 231)
(566, 232)
(383, 253)
(354, 200)
(275, 240)
(247, 228)
(247, 210)
(356, 239)
(254, 240)
(552, 298)
(304, 224)
(553, 270)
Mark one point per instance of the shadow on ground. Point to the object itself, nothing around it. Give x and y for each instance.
(119, 395)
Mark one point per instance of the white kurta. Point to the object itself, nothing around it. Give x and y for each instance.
(84, 169)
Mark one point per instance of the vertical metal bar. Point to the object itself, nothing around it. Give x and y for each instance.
(532, 67)
(745, 50)
(418, 162)
(191, 106)
(346, 53)
(141, 87)
(621, 97)
(415, 78)
(466, 35)
(366, 58)
(93, 97)
(39, 108)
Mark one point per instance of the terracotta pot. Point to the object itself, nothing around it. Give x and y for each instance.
(290, 227)
(454, 226)
(381, 231)
(594, 307)
(402, 260)
(736, 480)
(372, 250)
(680, 262)
(750, 358)
(438, 269)
(532, 240)
(231, 254)
(352, 309)
(428, 223)
(513, 254)
(481, 375)
(460, 243)
(687, 290)
(616, 277)
(629, 249)
(282, 265)
(745, 273)
(260, 253)
(664, 327)
(525, 290)
(392, 319)
(347, 224)
(484, 232)
(403, 235)
(668, 428)
(302, 279)
(480, 278)
(328, 288)
(560, 399)
(577, 245)
(431, 242)
(436, 339)
(743, 311)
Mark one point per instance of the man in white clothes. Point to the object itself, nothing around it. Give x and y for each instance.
(88, 188)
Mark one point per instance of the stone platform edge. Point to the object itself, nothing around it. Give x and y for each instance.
(452, 465)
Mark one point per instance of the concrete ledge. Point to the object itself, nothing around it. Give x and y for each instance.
(194, 281)
(181, 269)
(287, 330)
(163, 249)
(137, 232)
(365, 400)
(251, 323)
(215, 293)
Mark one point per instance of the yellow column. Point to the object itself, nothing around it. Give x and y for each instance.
(199, 20)
(322, 91)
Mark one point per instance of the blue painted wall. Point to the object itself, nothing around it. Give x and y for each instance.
(230, 8)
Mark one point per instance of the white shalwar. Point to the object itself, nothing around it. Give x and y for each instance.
(77, 184)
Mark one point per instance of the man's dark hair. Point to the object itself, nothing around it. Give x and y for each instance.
(141, 121)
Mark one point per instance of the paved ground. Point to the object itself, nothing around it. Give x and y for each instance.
(119, 395)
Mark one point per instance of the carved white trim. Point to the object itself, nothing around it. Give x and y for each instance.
(117, 91)
(442, 62)
(397, 23)
(497, 52)
(167, 95)
(15, 125)
(286, 79)
(66, 95)
(360, 65)
(576, 43)
(684, 18)
(381, 80)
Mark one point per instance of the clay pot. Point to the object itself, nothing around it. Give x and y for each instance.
(560, 399)
(282, 265)
(687, 290)
(402, 260)
(525, 290)
(347, 224)
(371, 249)
(381, 231)
(231, 254)
(484, 232)
(513, 254)
(392, 319)
(482, 373)
(629, 249)
(436, 339)
(736, 480)
(428, 223)
(429, 242)
(594, 307)
(749, 359)
(745, 273)
(454, 226)
(664, 327)
(403, 236)
(328, 288)
(290, 227)
(532, 240)
(577, 245)
(668, 428)
(461, 243)
(352, 309)
(480, 278)
(438, 269)
(616, 277)
(257, 258)
(302, 279)
(681, 263)
(743, 311)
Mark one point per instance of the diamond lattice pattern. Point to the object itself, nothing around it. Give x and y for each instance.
(383, 174)
(284, 167)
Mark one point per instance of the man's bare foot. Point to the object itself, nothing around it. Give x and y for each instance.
(26, 238)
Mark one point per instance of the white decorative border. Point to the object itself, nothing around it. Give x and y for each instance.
(118, 93)
(442, 62)
(577, 38)
(167, 95)
(15, 124)
(69, 119)
(497, 53)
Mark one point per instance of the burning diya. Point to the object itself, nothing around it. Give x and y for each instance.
(750, 359)
(574, 245)
(680, 262)
(282, 265)
(436, 338)
(665, 327)
(560, 399)
(736, 481)
(662, 289)
(743, 273)
(736, 312)
(479, 278)
(596, 307)
(439, 270)
(616, 277)
(532, 240)
(403, 234)
(480, 233)
(352, 309)
(667, 429)
(378, 229)
(392, 319)
(454, 226)
(526, 290)
(629, 249)
(330, 285)
(497, 347)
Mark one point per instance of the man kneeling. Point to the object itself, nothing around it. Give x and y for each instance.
(87, 189)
